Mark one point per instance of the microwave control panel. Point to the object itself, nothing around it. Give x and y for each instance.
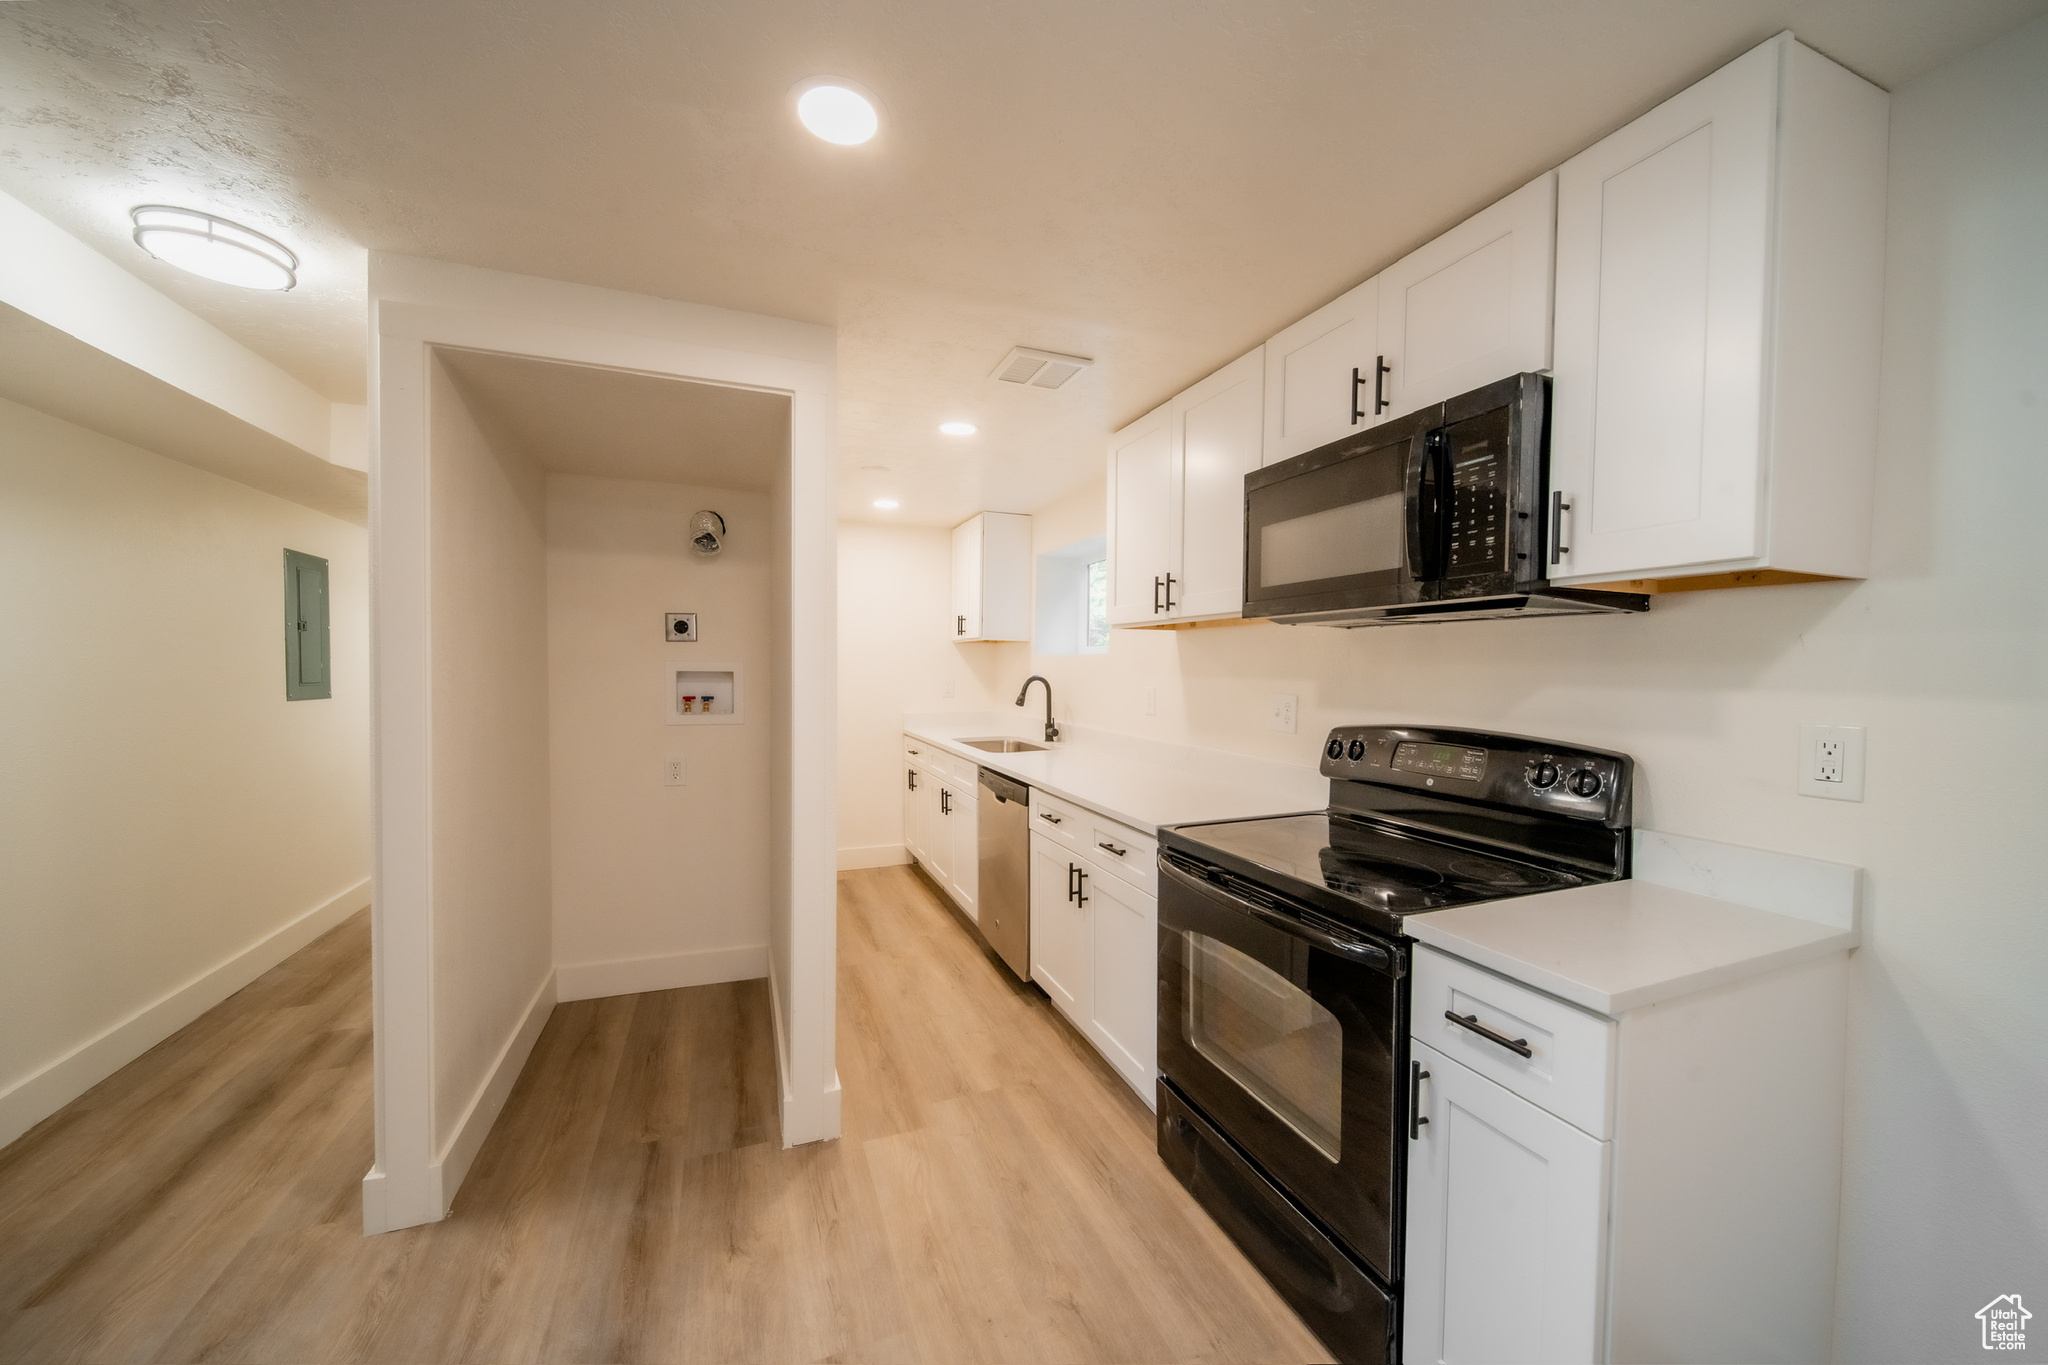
(1478, 522)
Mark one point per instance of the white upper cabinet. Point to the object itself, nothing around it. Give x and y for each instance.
(1218, 432)
(992, 577)
(1719, 290)
(1140, 499)
(1176, 500)
(1471, 307)
(1320, 375)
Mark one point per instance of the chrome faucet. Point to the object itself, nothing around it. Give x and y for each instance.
(1052, 732)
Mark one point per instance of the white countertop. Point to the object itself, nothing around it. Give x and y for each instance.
(1140, 782)
(1617, 946)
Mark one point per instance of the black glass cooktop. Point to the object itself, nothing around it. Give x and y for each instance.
(1369, 865)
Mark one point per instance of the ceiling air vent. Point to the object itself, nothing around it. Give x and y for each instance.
(1039, 369)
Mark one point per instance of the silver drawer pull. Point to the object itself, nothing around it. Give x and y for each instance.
(1048, 815)
(1119, 852)
(1471, 1021)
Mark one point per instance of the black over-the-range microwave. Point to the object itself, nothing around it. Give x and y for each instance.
(1435, 516)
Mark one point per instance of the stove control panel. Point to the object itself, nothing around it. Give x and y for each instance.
(1511, 771)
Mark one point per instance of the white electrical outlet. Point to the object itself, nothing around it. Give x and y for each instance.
(1280, 713)
(1151, 701)
(675, 773)
(1831, 761)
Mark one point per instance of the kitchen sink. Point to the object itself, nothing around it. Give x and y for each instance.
(1003, 746)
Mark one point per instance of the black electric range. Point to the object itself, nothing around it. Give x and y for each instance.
(1283, 988)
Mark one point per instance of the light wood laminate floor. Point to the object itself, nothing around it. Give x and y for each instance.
(995, 1196)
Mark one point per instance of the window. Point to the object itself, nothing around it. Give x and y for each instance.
(1073, 599)
(306, 656)
(1096, 613)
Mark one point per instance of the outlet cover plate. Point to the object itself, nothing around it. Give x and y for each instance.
(679, 627)
(1280, 712)
(675, 772)
(1831, 762)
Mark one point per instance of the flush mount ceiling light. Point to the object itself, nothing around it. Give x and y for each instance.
(958, 428)
(836, 110)
(887, 504)
(213, 247)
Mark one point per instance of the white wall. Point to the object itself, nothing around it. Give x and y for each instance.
(170, 825)
(896, 655)
(655, 887)
(492, 925)
(1940, 654)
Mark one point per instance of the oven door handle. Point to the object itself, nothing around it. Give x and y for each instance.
(1352, 950)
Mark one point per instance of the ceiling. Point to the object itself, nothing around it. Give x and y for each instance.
(1158, 184)
(614, 424)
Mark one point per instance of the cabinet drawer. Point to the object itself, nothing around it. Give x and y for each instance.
(1122, 852)
(1061, 821)
(1571, 1052)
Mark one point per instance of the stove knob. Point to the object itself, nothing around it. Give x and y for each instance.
(1357, 750)
(1543, 775)
(1585, 782)
(1336, 749)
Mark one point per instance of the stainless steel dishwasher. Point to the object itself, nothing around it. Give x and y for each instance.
(1004, 891)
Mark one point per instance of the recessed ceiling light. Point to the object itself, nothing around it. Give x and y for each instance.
(213, 247)
(958, 428)
(838, 111)
(887, 504)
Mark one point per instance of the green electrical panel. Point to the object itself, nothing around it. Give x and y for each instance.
(307, 658)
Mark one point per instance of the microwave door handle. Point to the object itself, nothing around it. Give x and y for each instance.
(1364, 954)
(1424, 508)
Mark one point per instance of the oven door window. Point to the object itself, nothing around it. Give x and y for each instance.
(1330, 536)
(1269, 1036)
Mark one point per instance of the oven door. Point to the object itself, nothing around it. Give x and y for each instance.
(1346, 527)
(1287, 1035)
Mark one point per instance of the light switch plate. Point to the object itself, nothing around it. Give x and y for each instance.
(1280, 712)
(679, 627)
(1831, 761)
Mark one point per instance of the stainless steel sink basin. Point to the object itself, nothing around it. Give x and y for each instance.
(1003, 746)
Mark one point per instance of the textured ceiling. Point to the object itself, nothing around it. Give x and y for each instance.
(611, 424)
(1158, 184)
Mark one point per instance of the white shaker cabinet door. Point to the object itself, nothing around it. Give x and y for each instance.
(1471, 307)
(1507, 1212)
(1663, 282)
(913, 813)
(1059, 930)
(1141, 517)
(1219, 429)
(931, 848)
(1123, 997)
(967, 585)
(1320, 374)
(965, 834)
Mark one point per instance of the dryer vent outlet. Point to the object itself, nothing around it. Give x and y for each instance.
(1039, 369)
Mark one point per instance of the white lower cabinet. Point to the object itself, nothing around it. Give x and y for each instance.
(1655, 1185)
(1095, 944)
(1506, 1214)
(939, 830)
(1059, 929)
(961, 841)
(1123, 951)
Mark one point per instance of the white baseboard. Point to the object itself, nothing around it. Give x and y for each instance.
(670, 971)
(376, 1218)
(452, 1166)
(873, 855)
(35, 1097)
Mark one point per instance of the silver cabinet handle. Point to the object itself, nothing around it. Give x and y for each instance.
(1119, 852)
(1471, 1022)
(1048, 815)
